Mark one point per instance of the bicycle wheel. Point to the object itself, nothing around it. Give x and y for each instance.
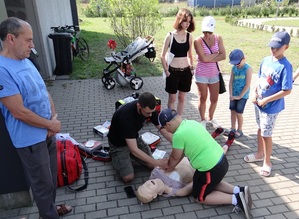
(82, 49)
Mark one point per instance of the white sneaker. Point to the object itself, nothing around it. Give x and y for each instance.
(204, 123)
(214, 123)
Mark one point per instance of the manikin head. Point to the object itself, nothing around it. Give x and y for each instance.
(150, 190)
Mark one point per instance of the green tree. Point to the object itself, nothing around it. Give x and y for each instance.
(132, 18)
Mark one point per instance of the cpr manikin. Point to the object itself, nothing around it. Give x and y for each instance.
(177, 182)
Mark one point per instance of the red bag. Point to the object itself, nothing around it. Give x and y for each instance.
(69, 164)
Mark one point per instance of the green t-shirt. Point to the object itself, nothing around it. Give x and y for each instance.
(198, 145)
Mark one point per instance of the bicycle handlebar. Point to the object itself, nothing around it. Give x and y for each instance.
(73, 29)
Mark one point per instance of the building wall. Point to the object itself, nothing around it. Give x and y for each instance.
(49, 14)
(42, 15)
(210, 3)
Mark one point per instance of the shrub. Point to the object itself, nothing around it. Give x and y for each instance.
(170, 12)
(225, 11)
(265, 11)
(93, 9)
(132, 18)
(203, 11)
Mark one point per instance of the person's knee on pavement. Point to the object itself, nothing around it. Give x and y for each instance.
(128, 178)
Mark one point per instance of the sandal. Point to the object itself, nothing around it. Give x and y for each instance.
(227, 131)
(238, 133)
(63, 209)
(266, 170)
(250, 158)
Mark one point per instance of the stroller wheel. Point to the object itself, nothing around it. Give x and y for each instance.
(109, 82)
(136, 83)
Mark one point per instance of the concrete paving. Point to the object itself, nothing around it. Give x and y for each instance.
(82, 104)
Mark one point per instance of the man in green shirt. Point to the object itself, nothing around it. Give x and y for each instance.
(206, 156)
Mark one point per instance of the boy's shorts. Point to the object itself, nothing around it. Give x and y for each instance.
(178, 80)
(121, 157)
(238, 105)
(265, 122)
(205, 182)
(205, 80)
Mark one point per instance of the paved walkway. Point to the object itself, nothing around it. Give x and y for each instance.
(82, 104)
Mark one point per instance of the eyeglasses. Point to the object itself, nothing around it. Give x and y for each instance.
(207, 32)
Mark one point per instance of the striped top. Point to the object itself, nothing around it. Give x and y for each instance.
(207, 69)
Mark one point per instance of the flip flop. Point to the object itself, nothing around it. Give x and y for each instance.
(266, 170)
(63, 209)
(250, 158)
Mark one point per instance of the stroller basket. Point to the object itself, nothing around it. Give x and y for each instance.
(120, 64)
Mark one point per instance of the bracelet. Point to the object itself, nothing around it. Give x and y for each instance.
(191, 67)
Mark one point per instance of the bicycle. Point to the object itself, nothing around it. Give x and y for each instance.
(79, 45)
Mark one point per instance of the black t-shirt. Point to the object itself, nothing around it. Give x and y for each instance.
(126, 123)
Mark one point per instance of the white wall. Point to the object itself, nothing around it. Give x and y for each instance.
(49, 14)
(3, 14)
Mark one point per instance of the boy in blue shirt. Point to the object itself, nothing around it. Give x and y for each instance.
(274, 83)
(239, 88)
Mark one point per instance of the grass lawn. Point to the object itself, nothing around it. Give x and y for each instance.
(253, 42)
(287, 22)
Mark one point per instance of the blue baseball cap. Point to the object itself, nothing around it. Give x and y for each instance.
(236, 56)
(166, 115)
(279, 39)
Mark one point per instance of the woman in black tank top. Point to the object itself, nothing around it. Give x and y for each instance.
(179, 70)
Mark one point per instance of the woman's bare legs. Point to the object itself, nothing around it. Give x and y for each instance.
(181, 102)
(214, 94)
(202, 96)
(171, 100)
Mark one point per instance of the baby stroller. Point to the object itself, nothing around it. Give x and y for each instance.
(121, 64)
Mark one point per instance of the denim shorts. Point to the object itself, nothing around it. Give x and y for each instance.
(205, 80)
(238, 105)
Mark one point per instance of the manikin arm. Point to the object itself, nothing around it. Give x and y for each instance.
(185, 190)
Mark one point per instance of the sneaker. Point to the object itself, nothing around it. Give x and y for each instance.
(242, 206)
(204, 123)
(247, 195)
(230, 139)
(217, 132)
(214, 123)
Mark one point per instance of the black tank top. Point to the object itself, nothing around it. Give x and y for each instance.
(180, 49)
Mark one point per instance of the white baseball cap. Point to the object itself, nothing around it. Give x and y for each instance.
(208, 24)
